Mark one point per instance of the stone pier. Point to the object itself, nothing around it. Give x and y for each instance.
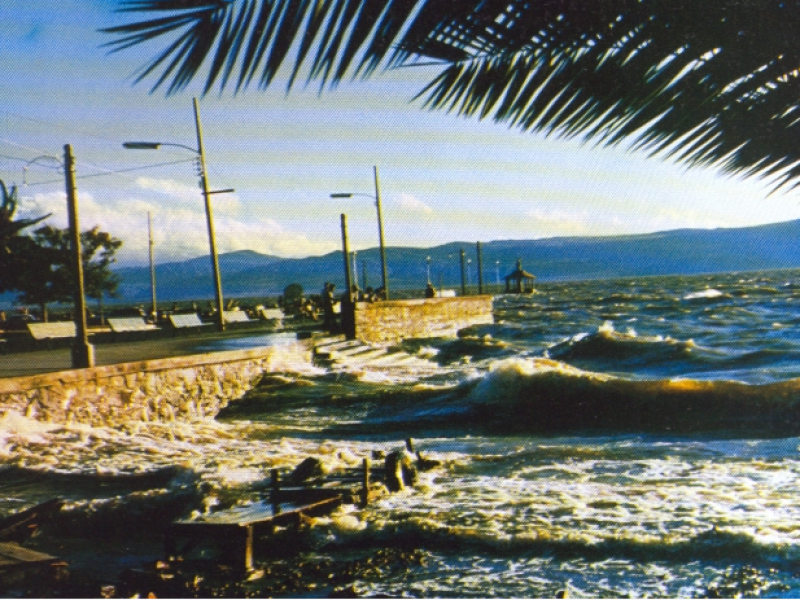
(394, 320)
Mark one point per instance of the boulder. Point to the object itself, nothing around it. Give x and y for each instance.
(400, 471)
(310, 468)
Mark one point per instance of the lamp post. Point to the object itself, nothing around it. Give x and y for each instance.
(377, 198)
(220, 320)
(428, 260)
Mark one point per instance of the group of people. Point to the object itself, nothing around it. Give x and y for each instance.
(330, 303)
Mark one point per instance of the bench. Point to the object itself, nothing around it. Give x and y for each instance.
(128, 324)
(49, 331)
(235, 316)
(272, 314)
(188, 321)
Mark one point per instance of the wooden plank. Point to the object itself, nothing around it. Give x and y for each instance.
(297, 495)
(58, 329)
(22, 525)
(14, 556)
(238, 529)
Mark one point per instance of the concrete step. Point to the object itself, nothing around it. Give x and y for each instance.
(396, 357)
(341, 344)
(354, 350)
(366, 357)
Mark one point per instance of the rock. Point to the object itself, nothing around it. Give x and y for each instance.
(400, 471)
(310, 468)
(426, 464)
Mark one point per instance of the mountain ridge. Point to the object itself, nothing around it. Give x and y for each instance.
(680, 251)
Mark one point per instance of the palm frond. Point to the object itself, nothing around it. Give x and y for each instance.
(705, 82)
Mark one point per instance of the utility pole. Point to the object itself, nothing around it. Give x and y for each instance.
(480, 267)
(380, 235)
(209, 220)
(152, 268)
(363, 274)
(346, 252)
(82, 350)
(463, 275)
(355, 268)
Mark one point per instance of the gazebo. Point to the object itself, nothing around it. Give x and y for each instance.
(520, 281)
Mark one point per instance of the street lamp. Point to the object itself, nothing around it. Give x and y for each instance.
(428, 260)
(377, 198)
(206, 196)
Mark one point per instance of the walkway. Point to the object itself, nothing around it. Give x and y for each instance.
(48, 361)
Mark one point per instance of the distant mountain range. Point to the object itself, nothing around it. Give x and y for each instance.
(683, 251)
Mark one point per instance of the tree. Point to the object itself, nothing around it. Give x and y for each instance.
(705, 82)
(292, 293)
(11, 241)
(48, 275)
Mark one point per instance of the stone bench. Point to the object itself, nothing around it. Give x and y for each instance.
(235, 316)
(272, 314)
(188, 321)
(49, 331)
(129, 324)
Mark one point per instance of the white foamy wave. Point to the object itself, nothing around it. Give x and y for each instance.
(710, 293)
(507, 377)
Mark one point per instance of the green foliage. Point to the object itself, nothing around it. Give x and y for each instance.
(47, 273)
(11, 243)
(709, 82)
(292, 292)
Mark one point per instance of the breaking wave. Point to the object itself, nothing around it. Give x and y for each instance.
(541, 395)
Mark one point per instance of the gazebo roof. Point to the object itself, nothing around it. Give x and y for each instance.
(520, 273)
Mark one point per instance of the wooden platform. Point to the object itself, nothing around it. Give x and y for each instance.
(15, 557)
(26, 569)
(235, 530)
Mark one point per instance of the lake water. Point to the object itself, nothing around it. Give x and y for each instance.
(636, 437)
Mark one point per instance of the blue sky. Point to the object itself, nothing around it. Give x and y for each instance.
(443, 178)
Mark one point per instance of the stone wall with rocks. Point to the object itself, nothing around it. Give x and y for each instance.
(182, 388)
(394, 320)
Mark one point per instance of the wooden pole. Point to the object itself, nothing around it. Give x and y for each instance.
(463, 275)
(152, 268)
(346, 252)
(480, 267)
(212, 241)
(82, 350)
(384, 273)
(274, 486)
(365, 484)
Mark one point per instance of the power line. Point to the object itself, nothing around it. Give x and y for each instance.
(118, 171)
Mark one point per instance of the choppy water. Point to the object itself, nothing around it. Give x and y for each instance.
(635, 437)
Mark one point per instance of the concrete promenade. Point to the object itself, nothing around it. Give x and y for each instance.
(34, 362)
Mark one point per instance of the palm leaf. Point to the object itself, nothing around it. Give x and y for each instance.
(704, 82)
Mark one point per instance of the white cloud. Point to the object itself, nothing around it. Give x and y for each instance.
(413, 205)
(180, 230)
(556, 222)
(189, 195)
(677, 218)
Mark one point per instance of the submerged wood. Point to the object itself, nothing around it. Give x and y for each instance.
(22, 525)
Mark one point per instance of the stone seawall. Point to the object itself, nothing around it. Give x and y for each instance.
(394, 320)
(182, 388)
